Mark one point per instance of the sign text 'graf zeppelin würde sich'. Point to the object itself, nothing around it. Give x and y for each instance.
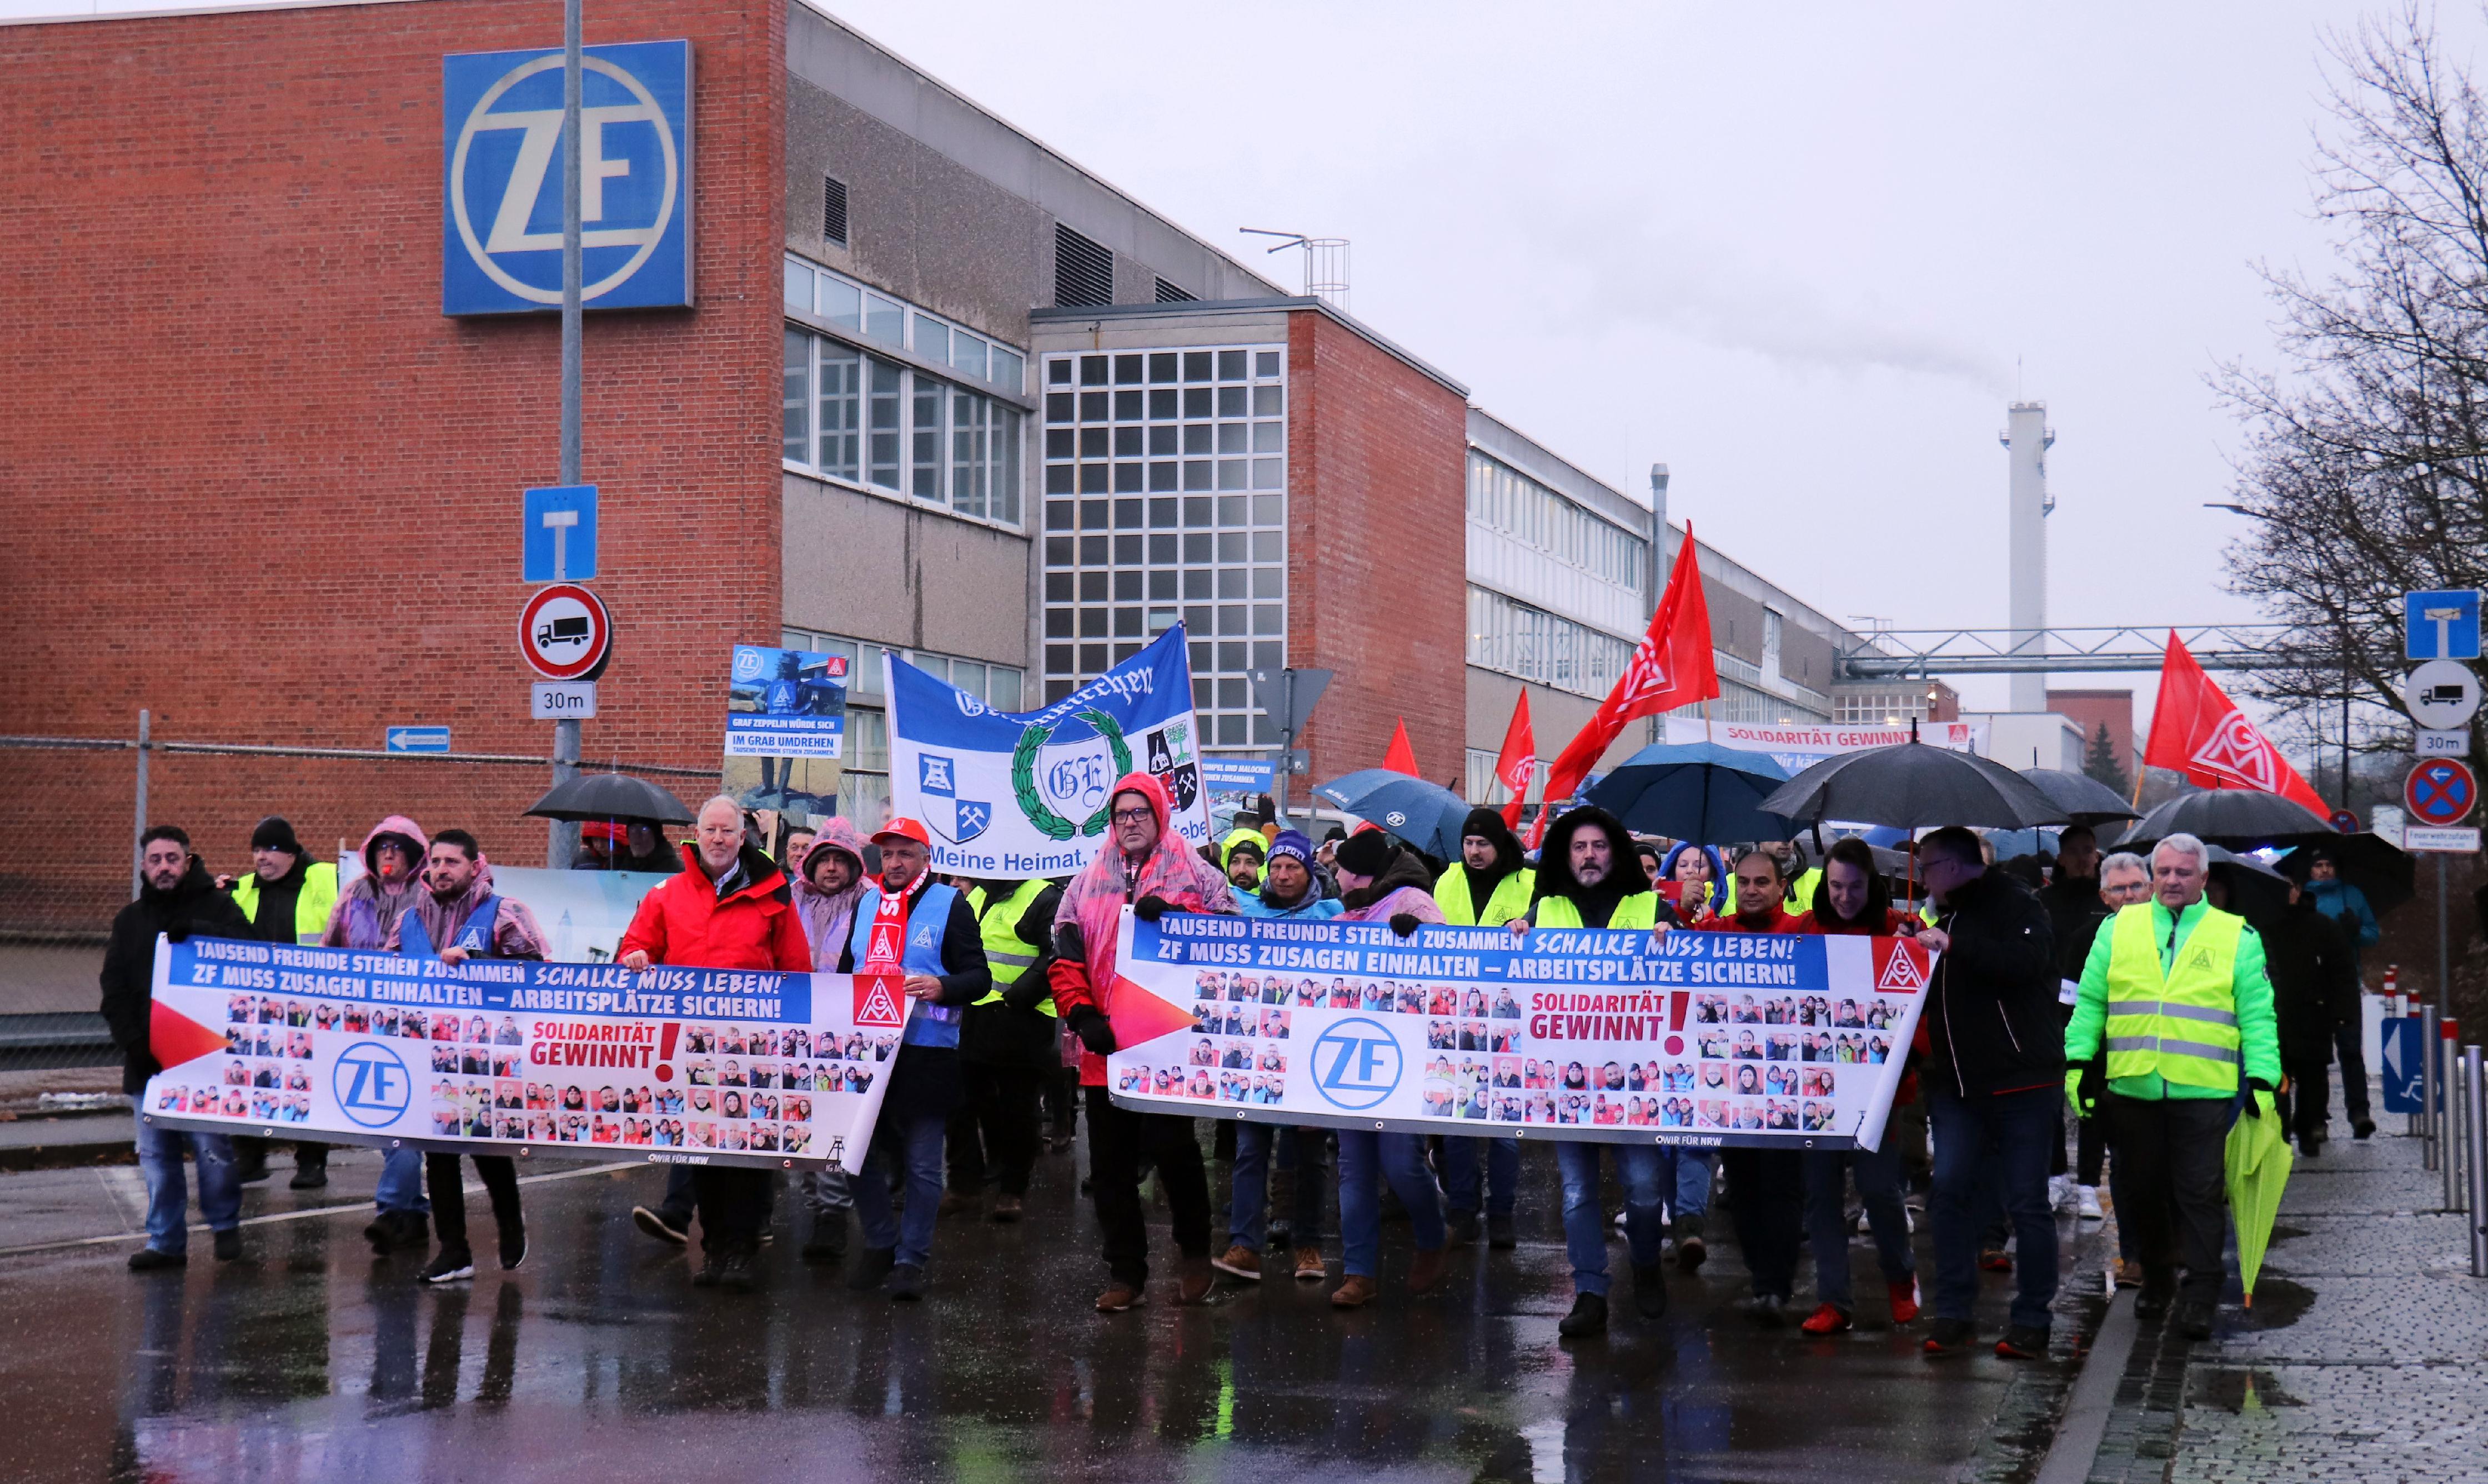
(501, 116)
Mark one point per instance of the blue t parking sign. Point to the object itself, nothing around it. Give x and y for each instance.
(500, 217)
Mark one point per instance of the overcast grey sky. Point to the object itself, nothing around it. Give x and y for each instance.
(1802, 254)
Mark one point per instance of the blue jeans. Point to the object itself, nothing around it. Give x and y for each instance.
(1826, 1215)
(168, 1191)
(401, 1186)
(1401, 1158)
(2003, 1140)
(917, 1144)
(1248, 1224)
(1685, 1178)
(1585, 1219)
(1501, 1173)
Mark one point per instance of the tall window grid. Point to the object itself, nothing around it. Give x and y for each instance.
(874, 422)
(1536, 545)
(1534, 645)
(1166, 500)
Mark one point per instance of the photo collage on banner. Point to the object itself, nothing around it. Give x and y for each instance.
(1697, 1038)
(666, 1064)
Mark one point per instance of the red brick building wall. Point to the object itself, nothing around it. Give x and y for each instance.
(258, 484)
(2089, 708)
(1377, 548)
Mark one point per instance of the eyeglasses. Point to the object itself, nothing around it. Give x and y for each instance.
(1133, 815)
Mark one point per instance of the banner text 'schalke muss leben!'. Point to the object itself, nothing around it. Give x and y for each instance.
(502, 1056)
(1009, 795)
(1774, 1039)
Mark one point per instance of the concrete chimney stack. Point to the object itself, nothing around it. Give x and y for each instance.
(2027, 437)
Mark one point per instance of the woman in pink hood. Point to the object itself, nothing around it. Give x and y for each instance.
(366, 912)
(1147, 865)
(829, 880)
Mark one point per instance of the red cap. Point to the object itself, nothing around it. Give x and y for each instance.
(903, 828)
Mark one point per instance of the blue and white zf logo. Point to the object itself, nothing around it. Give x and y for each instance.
(501, 137)
(373, 1087)
(1356, 1064)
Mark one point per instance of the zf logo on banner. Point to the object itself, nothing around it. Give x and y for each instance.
(372, 1086)
(501, 216)
(1356, 1064)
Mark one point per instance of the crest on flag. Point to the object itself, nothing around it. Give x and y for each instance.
(955, 818)
(876, 1001)
(2236, 750)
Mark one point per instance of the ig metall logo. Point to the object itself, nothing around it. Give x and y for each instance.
(501, 128)
(1357, 1063)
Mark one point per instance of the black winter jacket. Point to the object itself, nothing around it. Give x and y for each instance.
(1012, 1031)
(193, 905)
(1992, 1012)
(2314, 980)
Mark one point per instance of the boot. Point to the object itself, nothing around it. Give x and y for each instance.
(1500, 1233)
(1354, 1292)
(829, 1240)
(870, 1267)
(1194, 1284)
(310, 1167)
(1426, 1271)
(1589, 1317)
(1650, 1290)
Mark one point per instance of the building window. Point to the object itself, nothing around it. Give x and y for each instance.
(1084, 269)
(1165, 474)
(1534, 544)
(845, 306)
(834, 210)
(870, 422)
(1534, 645)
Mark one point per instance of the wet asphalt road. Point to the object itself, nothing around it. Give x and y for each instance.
(312, 1359)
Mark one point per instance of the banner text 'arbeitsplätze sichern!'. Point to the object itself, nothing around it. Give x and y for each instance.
(1774, 1039)
(504, 1056)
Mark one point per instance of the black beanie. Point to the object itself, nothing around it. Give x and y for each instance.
(1367, 853)
(274, 833)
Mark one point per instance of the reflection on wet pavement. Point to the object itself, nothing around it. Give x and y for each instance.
(313, 1359)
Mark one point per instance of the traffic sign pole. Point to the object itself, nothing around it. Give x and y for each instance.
(562, 842)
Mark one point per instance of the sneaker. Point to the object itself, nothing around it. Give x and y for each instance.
(2362, 1127)
(738, 1274)
(1905, 1300)
(870, 1267)
(1996, 1260)
(395, 1229)
(1193, 1286)
(2021, 1342)
(1589, 1317)
(1689, 1254)
(1500, 1233)
(1356, 1291)
(1767, 1310)
(453, 1264)
(1121, 1296)
(1239, 1261)
(1650, 1290)
(2194, 1317)
(1463, 1226)
(2061, 1199)
(513, 1244)
(712, 1270)
(1310, 1266)
(228, 1244)
(1948, 1337)
(2087, 1203)
(1826, 1319)
(156, 1260)
(1007, 1208)
(661, 1225)
(906, 1283)
(1426, 1271)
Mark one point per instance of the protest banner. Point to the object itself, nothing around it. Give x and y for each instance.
(583, 913)
(786, 703)
(1023, 795)
(1797, 746)
(504, 1056)
(1707, 1039)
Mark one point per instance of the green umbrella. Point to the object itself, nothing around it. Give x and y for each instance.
(2256, 1163)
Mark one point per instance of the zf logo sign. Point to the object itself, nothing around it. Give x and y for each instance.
(1356, 1064)
(501, 122)
(373, 1087)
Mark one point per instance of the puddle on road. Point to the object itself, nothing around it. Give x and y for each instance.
(2238, 1390)
(2278, 1303)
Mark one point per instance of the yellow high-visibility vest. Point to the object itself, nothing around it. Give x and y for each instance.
(1509, 899)
(1008, 954)
(1638, 910)
(312, 904)
(2184, 1024)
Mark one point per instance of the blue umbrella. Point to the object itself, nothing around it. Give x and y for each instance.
(1426, 815)
(2009, 843)
(1698, 791)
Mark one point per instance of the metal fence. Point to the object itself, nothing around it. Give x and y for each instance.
(73, 809)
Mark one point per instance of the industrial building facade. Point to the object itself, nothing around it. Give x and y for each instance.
(939, 391)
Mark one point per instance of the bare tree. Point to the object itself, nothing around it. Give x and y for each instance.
(2363, 457)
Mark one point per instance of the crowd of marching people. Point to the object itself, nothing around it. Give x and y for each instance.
(2121, 1003)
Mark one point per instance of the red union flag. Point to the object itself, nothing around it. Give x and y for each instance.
(1518, 759)
(2197, 730)
(1673, 666)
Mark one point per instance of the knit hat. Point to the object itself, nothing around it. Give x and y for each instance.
(1365, 853)
(1293, 845)
(274, 833)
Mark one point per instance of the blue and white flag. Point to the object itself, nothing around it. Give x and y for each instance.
(1015, 794)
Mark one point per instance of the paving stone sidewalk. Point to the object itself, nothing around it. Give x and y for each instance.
(2365, 1356)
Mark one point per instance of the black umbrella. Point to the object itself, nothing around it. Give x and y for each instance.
(611, 796)
(2380, 870)
(1911, 784)
(2239, 818)
(2085, 799)
(2258, 893)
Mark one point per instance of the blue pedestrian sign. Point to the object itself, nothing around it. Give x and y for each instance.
(557, 534)
(2403, 1074)
(2441, 625)
(417, 739)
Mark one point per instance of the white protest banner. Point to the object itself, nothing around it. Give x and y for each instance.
(1797, 746)
(1021, 794)
(1774, 1039)
(503, 1056)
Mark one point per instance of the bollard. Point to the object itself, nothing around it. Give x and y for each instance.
(2455, 1125)
(2457, 1168)
(2429, 1123)
(2474, 1113)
